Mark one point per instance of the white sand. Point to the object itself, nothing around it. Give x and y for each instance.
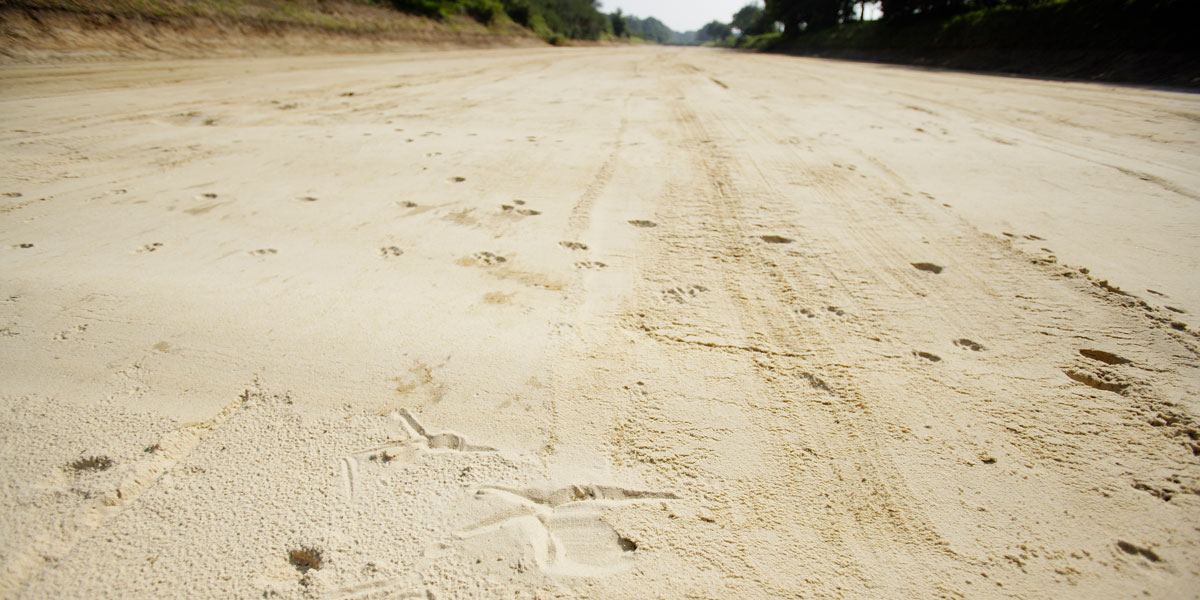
(397, 326)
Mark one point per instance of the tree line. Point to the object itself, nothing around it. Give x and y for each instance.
(795, 17)
(551, 19)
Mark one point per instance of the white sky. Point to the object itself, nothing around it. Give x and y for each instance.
(688, 15)
(680, 15)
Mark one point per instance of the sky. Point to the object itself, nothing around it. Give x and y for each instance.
(680, 15)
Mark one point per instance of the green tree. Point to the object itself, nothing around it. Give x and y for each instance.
(810, 15)
(749, 20)
(620, 27)
(715, 31)
(520, 12)
(650, 29)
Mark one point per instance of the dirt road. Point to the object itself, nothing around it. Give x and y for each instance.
(601, 323)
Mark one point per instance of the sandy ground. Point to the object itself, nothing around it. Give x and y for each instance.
(600, 323)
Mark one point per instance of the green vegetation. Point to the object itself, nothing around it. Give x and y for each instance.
(259, 13)
(752, 20)
(1098, 28)
(715, 31)
(558, 19)
(486, 12)
(1133, 40)
(753, 24)
(553, 20)
(649, 29)
(1015, 24)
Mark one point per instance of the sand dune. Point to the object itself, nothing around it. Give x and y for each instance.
(603, 323)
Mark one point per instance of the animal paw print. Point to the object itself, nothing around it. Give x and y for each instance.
(590, 264)
(526, 212)
(150, 247)
(489, 258)
(390, 251)
(263, 252)
(683, 294)
(70, 333)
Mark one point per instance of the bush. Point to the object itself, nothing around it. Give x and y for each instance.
(484, 11)
(425, 8)
(520, 12)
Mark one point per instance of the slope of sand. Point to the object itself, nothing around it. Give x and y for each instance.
(44, 31)
(599, 323)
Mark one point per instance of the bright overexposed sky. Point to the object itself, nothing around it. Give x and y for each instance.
(689, 15)
(680, 15)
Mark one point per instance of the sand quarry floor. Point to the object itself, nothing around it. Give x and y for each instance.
(595, 323)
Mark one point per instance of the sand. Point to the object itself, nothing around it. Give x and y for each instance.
(602, 323)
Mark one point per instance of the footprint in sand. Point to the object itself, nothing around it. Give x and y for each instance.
(71, 333)
(489, 258)
(775, 239)
(512, 208)
(590, 264)
(573, 245)
(642, 223)
(683, 294)
(929, 356)
(390, 251)
(149, 247)
(565, 527)
(1100, 379)
(418, 444)
(927, 267)
(1107, 358)
(263, 252)
(968, 344)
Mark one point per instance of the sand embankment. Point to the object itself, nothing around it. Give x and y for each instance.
(41, 32)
